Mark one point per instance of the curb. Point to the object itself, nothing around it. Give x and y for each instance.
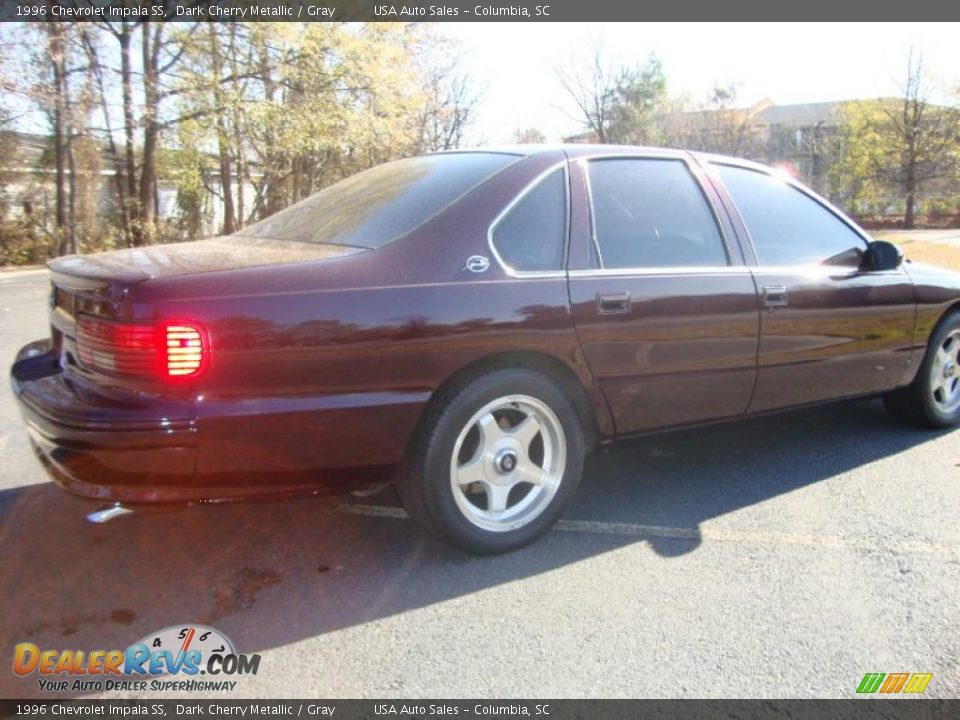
(12, 271)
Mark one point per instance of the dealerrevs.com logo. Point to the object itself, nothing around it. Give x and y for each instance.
(174, 658)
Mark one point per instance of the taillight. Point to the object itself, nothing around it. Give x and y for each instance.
(184, 350)
(148, 350)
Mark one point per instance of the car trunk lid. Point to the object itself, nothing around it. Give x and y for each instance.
(96, 285)
(135, 265)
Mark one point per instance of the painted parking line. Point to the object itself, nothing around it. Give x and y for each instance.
(924, 547)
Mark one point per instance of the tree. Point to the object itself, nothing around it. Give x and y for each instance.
(449, 98)
(592, 87)
(717, 126)
(619, 104)
(290, 108)
(56, 81)
(903, 145)
(57, 55)
(222, 117)
(126, 169)
(224, 110)
(636, 117)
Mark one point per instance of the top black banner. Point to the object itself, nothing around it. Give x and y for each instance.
(392, 709)
(471, 10)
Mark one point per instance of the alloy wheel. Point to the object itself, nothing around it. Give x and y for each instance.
(508, 463)
(945, 374)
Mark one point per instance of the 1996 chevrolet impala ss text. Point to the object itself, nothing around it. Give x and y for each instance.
(471, 324)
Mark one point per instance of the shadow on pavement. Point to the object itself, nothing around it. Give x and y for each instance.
(270, 574)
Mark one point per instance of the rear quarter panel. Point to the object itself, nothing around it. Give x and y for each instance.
(329, 365)
(338, 378)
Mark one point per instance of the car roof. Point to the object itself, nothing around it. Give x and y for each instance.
(580, 150)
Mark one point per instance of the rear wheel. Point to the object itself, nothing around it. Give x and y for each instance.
(492, 466)
(933, 399)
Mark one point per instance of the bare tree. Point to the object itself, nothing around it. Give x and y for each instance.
(52, 91)
(161, 51)
(592, 87)
(92, 52)
(450, 106)
(718, 126)
(122, 31)
(618, 104)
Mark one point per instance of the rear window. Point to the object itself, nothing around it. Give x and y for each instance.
(533, 234)
(379, 205)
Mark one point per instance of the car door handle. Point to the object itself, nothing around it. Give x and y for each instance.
(611, 303)
(775, 296)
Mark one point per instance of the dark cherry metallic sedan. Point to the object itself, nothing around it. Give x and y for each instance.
(472, 324)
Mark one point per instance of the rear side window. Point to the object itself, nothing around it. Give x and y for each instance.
(381, 204)
(532, 235)
(787, 226)
(652, 214)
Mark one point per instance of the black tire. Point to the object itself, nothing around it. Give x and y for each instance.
(425, 484)
(916, 403)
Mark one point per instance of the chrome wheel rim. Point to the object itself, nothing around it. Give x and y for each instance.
(945, 374)
(508, 463)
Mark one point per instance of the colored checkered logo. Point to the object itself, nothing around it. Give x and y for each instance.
(908, 683)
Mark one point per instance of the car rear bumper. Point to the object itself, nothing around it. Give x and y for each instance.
(104, 447)
(143, 449)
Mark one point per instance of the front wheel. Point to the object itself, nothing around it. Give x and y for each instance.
(493, 465)
(933, 399)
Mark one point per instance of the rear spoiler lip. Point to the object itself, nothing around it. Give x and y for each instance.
(78, 283)
(74, 272)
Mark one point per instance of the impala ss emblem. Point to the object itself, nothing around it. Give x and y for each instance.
(477, 264)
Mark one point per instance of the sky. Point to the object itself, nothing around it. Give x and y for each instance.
(512, 63)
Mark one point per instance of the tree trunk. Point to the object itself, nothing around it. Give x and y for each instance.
(146, 227)
(223, 139)
(237, 134)
(71, 238)
(126, 81)
(273, 181)
(118, 175)
(58, 61)
(913, 109)
(910, 200)
(910, 184)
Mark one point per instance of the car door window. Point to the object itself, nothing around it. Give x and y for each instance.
(651, 213)
(787, 226)
(532, 235)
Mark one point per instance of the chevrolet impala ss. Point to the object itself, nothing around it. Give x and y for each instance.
(470, 324)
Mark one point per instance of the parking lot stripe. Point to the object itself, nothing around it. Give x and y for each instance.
(924, 547)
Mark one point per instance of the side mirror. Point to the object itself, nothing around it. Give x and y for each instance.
(881, 255)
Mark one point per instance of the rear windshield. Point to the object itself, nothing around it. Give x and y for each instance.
(381, 204)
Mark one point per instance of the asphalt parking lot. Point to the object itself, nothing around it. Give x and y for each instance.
(781, 557)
